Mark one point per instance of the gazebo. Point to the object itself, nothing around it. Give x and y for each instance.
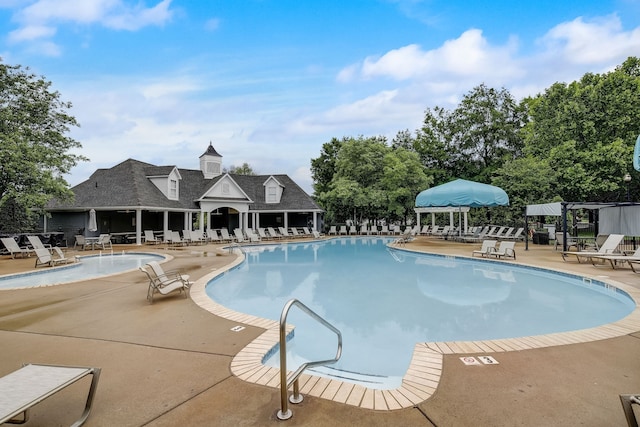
(458, 196)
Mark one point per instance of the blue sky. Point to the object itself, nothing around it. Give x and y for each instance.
(269, 81)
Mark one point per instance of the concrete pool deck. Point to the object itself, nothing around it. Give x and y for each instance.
(170, 363)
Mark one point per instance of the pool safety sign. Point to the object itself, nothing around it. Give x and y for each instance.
(480, 360)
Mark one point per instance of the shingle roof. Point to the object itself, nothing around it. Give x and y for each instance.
(127, 185)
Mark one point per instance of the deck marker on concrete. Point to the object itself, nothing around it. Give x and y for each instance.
(488, 360)
(237, 328)
(469, 360)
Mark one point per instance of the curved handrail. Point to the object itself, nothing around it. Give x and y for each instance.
(284, 413)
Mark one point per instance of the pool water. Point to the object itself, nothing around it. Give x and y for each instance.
(384, 301)
(88, 267)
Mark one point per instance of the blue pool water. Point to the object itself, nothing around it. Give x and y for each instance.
(384, 301)
(89, 267)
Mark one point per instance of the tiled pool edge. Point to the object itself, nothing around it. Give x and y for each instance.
(423, 375)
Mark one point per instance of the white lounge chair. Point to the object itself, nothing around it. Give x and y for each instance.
(31, 384)
(104, 240)
(284, 232)
(150, 238)
(36, 243)
(212, 235)
(164, 282)
(273, 233)
(609, 247)
(343, 229)
(619, 259)
(62, 258)
(384, 229)
(225, 236)
(14, 249)
(43, 257)
(239, 235)
(82, 242)
(488, 246)
(332, 230)
(506, 249)
(294, 232)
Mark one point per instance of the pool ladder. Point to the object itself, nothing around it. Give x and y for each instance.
(285, 413)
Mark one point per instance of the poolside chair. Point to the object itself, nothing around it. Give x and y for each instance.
(488, 246)
(294, 232)
(104, 240)
(405, 237)
(609, 247)
(343, 229)
(150, 238)
(364, 230)
(332, 230)
(252, 236)
(507, 234)
(225, 236)
(43, 257)
(353, 230)
(306, 231)
(506, 249)
(164, 282)
(36, 243)
(187, 238)
(82, 242)
(571, 242)
(273, 233)
(384, 229)
(62, 259)
(517, 235)
(197, 237)
(263, 234)
(212, 235)
(33, 383)
(619, 259)
(239, 235)
(283, 232)
(14, 249)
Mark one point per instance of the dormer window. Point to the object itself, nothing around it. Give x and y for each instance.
(272, 190)
(173, 189)
(272, 194)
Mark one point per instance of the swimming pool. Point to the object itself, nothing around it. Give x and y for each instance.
(89, 267)
(385, 301)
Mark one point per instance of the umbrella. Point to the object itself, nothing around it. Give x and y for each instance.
(463, 193)
(93, 223)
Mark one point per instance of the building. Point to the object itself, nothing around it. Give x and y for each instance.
(134, 196)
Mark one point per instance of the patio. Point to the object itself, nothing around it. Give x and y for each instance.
(168, 363)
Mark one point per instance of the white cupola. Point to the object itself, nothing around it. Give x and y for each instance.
(211, 163)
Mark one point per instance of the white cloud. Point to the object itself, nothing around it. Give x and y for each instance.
(31, 32)
(591, 43)
(39, 19)
(212, 24)
(468, 55)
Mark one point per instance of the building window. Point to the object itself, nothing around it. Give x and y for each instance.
(272, 194)
(213, 167)
(173, 189)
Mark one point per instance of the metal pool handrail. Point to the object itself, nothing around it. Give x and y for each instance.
(285, 413)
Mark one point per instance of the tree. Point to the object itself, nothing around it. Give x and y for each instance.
(370, 180)
(245, 169)
(34, 149)
(323, 168)
(586, 131)
(474, 139)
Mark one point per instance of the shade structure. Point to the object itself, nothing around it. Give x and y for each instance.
(463, 193)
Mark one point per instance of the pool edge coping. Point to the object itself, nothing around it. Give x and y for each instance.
(422, 377)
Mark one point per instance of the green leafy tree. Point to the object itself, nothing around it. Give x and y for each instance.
(244, 169)
(323, 168)
(586, 131)
(34, 148)
(371, 180)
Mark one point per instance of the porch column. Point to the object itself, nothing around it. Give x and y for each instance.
(433, 219)
(315, 221)
(286, 220)
(451, 223)
(187, 221)
(138, 227)
(418, 219)
(256, 220)
(165, 225)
